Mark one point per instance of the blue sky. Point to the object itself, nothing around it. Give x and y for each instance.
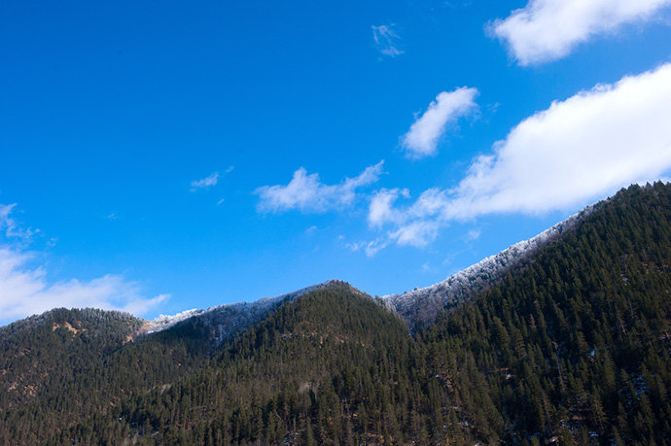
(114, 115)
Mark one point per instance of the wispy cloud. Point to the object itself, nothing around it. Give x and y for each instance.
(387, 40)
(546, 30)
(205, 183)
(370, 248)
(25, 288)
(306, 193)
(576, 151)
(10, 227)
(425, 133)
(473, 234)
(7, 223)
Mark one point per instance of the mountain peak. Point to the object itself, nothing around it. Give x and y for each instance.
(222, 321)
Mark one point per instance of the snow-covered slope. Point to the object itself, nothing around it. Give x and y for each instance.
(164, 321)
(223, 321)
(421, 305)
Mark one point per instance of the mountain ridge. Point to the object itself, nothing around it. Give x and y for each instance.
(455, 288)
(570, 346)
(420, 306)
(432, 298)
(163, 322)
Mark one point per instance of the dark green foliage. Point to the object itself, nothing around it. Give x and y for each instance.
(64, 365)
(578, 342)
(334, 367)
(572, 348)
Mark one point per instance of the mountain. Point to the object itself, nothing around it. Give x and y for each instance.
(574, 346)
(331, 367)
(562, 339)
(219, 323)
(78, 337)
(419, 307)
(67, 364)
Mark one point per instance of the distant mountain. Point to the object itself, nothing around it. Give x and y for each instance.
(562, 339)
(220, 323)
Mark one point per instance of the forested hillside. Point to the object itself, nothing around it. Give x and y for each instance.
(572, 346)
(576, 346)
(64, 365)
(334, 367)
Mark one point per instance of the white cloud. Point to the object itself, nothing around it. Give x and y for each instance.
(26, 290)
(576, 151)
(417, 233)
(306, 193)
(546, 30)
(207, 182)
(424, 135)
(380, 210)
(386, 40)
(415, 225)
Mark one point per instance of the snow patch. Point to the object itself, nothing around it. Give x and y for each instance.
(164, 321)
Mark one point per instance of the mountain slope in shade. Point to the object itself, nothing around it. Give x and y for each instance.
(219, 323)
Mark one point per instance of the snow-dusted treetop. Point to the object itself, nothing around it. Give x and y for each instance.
(421, 305)
(225, 320)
